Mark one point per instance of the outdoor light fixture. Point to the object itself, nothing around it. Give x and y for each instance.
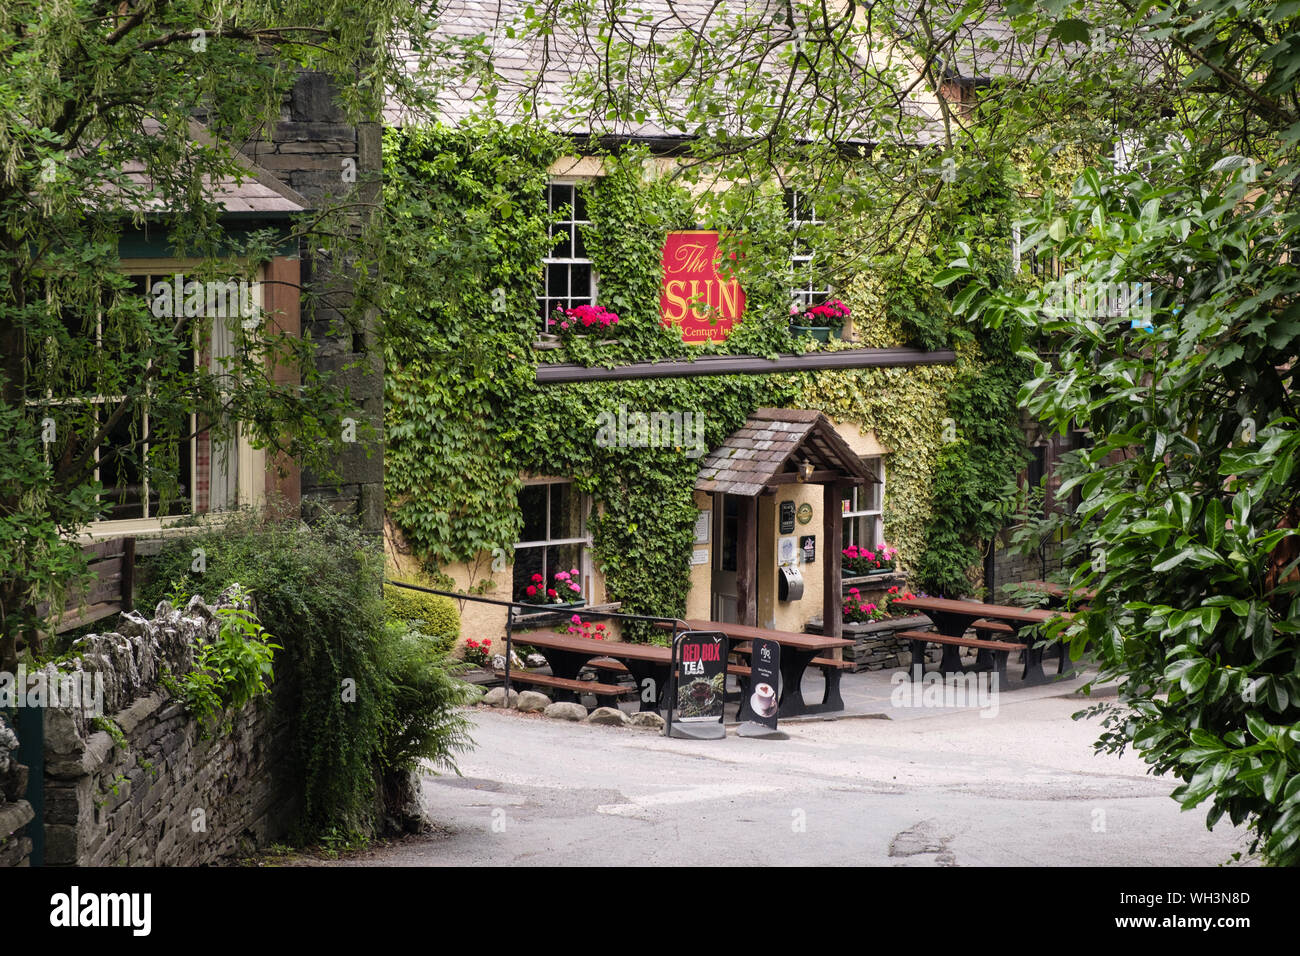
(805, 470)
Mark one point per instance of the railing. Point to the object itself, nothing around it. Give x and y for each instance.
(511, 620)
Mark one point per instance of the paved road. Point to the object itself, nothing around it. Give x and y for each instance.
(950, 789)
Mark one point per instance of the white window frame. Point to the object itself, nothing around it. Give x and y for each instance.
(583, 504)
(250, 474)
(804, 295)
(548, 303)
(877, 464)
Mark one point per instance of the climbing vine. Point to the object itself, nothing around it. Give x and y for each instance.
(466, 418)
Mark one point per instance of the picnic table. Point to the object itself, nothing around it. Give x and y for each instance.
(569, 653)
(953, 618)
(798, 651)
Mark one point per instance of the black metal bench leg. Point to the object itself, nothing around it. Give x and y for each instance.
(918, 657)
(831, 699)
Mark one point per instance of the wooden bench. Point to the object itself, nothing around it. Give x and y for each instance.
(952, 664)
(607, 694)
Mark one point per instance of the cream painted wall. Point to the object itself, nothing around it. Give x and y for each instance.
(698, 600)
(793, 615)
(479, 621)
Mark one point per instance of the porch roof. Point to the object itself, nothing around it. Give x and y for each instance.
(767, 450)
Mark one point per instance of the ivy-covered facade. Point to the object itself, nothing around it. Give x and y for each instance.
(496, 483)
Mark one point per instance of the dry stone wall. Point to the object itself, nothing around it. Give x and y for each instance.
(140, 784)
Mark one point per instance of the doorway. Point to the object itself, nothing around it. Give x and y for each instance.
(726, 522)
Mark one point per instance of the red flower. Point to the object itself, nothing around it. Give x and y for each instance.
(537, 579)
(550, 592)
(530, 590)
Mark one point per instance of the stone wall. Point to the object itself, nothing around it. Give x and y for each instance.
(317, 151)
(141, 785)
(15, 812)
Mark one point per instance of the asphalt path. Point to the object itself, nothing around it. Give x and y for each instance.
(949, 789)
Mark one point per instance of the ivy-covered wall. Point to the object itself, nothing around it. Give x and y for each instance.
(466, 418)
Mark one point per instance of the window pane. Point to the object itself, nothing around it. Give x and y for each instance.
(562, 247)
(580, 205)
(579, 243)
(565, 558)
(532, 502)
(561, 196)
(557, 280)
(120, 475)
(528, 561)
(581, 287)
(169, 462)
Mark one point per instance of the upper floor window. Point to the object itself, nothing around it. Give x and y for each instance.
(568, 278)
(807, 287)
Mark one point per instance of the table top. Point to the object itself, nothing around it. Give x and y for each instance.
(975, 609)
(551, 640)
(805, 642)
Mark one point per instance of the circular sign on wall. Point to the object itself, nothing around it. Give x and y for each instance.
(804, 513)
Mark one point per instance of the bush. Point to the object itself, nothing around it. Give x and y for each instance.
(358, 701)
(434, 615)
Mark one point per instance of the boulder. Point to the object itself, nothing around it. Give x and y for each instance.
(647, 719)
(531, 701)
(566, 710)
(535, 660)
(496, 697)
(607, 716)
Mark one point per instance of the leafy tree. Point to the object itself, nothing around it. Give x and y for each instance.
(98, 105)
(1172, 336)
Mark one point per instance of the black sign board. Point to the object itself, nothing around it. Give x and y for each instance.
(762, 697)
(808, 545)
(787, 517)
(699, 685)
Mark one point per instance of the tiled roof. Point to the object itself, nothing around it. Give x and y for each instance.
(521, 64)
(254, 190)
(776, 440)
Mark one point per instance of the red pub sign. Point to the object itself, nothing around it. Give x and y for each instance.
(695, 297)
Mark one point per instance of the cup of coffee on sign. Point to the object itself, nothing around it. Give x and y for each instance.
(763, 700)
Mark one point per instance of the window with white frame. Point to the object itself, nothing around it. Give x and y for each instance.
(807, 288)
(863, 509)
(189, 470)
(554, 541)
(568, 278)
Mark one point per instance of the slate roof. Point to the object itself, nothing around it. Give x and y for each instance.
(520, 65)
(255, 191)
(776, 440)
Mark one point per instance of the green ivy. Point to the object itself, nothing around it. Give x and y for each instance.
(466, 417)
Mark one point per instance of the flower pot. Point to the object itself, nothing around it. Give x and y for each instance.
(820, 333)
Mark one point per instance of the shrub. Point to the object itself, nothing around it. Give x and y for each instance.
(344, 692)
(432, 614)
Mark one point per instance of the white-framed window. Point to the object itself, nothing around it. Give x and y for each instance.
(863, 510)
(806, 288)
(554, 540)
(568, 277)
(204, 474)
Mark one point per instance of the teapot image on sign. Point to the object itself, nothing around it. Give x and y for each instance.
(695, 296)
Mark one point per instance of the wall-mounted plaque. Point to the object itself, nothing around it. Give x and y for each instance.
(808, 545)
(702, 525)
(805, 513)
(787, 517)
